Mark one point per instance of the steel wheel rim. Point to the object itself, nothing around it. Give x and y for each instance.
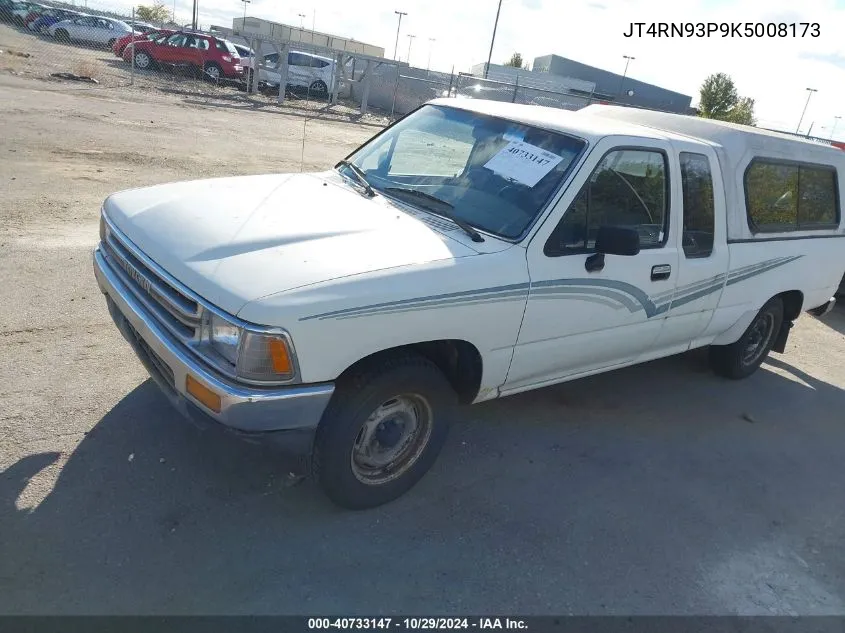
(142, 60)
(319, 87)
(391, 439)
(760, 334)
(213, 72)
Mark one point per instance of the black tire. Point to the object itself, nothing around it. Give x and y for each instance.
(359, 398)
(110, 43)
(318, 88)
(212, 72)
(62, 35)
(742, 358)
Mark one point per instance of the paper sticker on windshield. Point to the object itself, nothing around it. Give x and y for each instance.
(523, 162)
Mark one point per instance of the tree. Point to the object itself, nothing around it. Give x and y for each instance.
(720, 100)
(516, 61)
(155, 13)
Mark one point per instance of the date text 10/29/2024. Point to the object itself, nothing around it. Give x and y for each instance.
(723, 29)
(417, 624)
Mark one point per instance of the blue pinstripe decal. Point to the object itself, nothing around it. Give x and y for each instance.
(605, 291)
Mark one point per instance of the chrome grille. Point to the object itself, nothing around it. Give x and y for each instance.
(179, 313)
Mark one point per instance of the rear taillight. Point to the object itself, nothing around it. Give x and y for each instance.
(226, 58)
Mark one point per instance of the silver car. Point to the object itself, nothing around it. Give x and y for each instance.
(91, 29)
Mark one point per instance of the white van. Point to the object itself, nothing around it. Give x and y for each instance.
(470, 251)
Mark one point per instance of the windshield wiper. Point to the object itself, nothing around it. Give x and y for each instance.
(447, 208)
(360, 176)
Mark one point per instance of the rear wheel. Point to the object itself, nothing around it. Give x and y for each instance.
(382, 431)
(62, 35)
(318, 88)
(110, 43)
(212, 72)
(741, 359)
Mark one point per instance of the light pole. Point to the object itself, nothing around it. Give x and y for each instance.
(173, 15)
(246, 2)
(493, 39)
(810, 92)
(835, 123)
(628, 60)
(399, 26)
(431, 42)
(301, 24)
(410, 41)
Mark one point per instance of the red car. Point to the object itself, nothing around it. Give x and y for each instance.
(121, 43)
(216, 58)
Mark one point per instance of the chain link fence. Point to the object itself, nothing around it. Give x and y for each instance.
(96, 44)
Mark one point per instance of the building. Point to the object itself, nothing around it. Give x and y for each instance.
(267, 30)
(612, 87)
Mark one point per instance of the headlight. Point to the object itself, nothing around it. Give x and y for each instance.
(224, 337)
(254, 355)
(104, 229)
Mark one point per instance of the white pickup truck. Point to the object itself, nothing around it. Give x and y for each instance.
(470, 251)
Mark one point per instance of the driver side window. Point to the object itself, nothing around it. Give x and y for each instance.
(628, 188)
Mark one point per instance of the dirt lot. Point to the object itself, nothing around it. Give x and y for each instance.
(653, 490)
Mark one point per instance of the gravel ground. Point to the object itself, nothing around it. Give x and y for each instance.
(659, 489)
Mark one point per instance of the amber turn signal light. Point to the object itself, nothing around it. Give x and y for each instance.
(202, 393)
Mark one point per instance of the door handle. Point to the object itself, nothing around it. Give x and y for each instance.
(662, 271)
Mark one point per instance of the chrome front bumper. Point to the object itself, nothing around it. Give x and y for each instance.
(243, 408)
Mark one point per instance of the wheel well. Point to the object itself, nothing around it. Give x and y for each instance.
(459, 361)
(793, 301)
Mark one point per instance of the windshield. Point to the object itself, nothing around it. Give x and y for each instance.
(495, 173)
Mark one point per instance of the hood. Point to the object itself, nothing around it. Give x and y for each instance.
(235, 240)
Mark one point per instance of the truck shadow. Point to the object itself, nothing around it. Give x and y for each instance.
(149, 515)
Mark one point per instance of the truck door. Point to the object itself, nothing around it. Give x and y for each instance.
(702, 246)
(577, 321)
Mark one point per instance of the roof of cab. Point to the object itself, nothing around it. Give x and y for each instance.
(567, 121)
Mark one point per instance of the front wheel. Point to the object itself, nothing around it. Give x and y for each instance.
(382, 431)
(741, 359)
(143, 61)
(62, 35)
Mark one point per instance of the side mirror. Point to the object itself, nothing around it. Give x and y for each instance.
(617, 240)
(612, 240)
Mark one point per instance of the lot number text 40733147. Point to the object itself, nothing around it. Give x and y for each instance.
(417, 624)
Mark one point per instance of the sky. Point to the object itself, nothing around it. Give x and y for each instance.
(775, 72)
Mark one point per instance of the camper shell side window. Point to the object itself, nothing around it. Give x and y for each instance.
(783, 196)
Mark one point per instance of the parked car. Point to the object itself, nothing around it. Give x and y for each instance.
(121, 44)
(6, 14)
(472, 250)
(305, 70)
(19, 11)
(143, 27)
(51, 16)
(244, 52)
(90, 29)
(216, 58)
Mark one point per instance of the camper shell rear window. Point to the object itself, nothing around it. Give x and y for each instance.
(783, 196)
